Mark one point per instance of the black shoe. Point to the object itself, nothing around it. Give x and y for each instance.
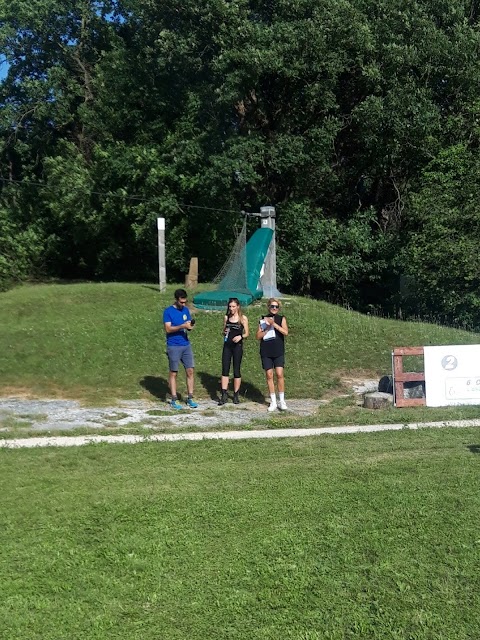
(236, 399)
(223, 398)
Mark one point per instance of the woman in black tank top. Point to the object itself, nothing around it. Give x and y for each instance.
(271, 332)
(235, 330)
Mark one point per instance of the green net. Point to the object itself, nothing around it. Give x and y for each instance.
(240, 275)
(233, 275)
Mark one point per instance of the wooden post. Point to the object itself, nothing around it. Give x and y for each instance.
(191, 281)
(400, 377)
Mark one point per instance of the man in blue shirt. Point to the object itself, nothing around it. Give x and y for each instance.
(178, 321)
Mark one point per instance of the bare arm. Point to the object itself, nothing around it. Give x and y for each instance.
(176, 328)
(245, 333)
(260, 332)
(281, 328)
(246, 329)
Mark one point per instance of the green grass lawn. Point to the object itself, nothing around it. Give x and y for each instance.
(101, 342)
(370, 536)
(365, 536)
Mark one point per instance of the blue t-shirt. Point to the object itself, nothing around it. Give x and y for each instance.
(176, 317)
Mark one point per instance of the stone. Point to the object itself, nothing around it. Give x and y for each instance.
(411, 389)
(377, 400)
(414, 390)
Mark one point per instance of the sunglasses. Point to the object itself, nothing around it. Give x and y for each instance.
(273, 306)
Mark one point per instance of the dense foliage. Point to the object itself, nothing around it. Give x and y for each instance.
(358, 119)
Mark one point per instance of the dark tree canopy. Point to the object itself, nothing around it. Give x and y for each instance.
(357, 119)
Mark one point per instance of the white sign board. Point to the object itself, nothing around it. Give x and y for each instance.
(452, 375)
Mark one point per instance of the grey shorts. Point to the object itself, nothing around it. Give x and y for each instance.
(182, 354)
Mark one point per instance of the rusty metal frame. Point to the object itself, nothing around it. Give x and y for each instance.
(399, 376)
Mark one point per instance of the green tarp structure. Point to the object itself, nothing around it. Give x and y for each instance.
(242, 279)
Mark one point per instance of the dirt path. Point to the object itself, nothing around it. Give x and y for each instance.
(19, 414)
(62, 415)
(45, 416)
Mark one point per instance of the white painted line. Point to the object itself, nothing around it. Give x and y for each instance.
(78, 441)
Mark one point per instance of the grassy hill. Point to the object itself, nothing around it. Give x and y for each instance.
(99, 342)
(367, 536)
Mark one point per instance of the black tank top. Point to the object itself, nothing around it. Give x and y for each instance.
(276, 347)
(232, 329)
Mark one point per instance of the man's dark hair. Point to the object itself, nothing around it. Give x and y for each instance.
(180, 293)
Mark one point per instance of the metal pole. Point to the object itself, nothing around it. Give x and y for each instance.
(269, 276)
(162, 272)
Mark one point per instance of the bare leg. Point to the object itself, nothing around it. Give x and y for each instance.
(270, 382)
(280, 379)
(172, 383)
(189, 373)
(225, 381)
(237, 382)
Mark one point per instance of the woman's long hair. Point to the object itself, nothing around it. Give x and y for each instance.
(237, 301)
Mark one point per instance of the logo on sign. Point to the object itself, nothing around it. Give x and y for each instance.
(449, 363)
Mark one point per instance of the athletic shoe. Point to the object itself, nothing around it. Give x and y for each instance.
(282, 405)
(272, 407)
(175, 405)
(191, 403)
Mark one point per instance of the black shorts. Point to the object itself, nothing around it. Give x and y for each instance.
(272, 363)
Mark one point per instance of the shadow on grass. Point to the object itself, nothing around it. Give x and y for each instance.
(247, 391)
(474, 448)
(152, 287)
(155, 385)
(210, 383)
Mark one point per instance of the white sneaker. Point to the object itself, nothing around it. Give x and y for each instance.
(272, 407)
(282, 405)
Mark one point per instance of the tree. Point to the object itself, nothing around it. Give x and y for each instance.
(118, 111)
(440, 260)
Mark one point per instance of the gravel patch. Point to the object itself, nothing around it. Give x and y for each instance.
(63, 415)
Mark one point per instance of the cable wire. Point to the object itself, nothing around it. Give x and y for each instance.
(124, 196)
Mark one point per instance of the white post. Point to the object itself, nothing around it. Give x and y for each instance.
(162, 272)
(269, 277)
